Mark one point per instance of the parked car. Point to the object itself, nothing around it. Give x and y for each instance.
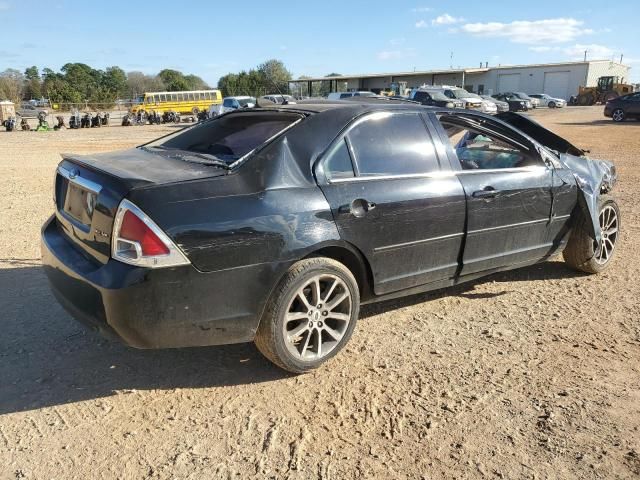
(535, 103)
(548, 101)
(621, 108)
(343, 95)
(231, 103)
(27, 110)
(488, 106)
(275, 224)
(456, 93)
(279, 98)
(516, 104)
(501, 106)
(437, 99)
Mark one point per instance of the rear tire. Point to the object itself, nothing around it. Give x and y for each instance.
(310, 316)
(579, 253)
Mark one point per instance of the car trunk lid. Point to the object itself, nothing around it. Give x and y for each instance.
(88, 190)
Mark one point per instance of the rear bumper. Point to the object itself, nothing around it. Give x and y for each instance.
(156, 308)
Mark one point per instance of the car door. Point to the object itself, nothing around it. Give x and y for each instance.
(394, 197)
(508, 188)
(632, 106)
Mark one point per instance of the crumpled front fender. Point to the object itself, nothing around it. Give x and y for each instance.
(594, 178)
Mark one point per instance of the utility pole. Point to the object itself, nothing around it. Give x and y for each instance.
(585, 55)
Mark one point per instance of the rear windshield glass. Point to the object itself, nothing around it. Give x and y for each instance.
(229, 137)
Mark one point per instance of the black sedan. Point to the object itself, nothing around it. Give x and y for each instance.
(435, 99)
(621, 108)
(515, 104)
(275, 224)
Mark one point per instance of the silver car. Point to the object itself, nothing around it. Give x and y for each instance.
(549, 101)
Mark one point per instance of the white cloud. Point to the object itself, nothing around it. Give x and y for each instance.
(541, 49)
(594, 51)
(421, 9)
(421, 24)
(554, 30)
(446, 19)
(396, 54)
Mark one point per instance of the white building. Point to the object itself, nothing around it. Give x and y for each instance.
(556, 79)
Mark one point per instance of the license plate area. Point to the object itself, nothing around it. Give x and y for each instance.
(76, 198)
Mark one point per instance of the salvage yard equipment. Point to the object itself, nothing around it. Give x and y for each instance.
(8, 115)
(607, 89)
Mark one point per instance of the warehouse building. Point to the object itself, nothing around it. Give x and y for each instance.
(556, 79)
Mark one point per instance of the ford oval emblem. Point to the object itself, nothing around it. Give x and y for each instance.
(73, 174)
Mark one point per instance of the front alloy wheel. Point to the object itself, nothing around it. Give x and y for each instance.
(608, 220)
(618, 115)
(310, 315)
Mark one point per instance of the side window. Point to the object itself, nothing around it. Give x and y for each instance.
(422, 97)
(338, 163)
(449, 94)
(227, 103)
(481, 150)
(393, 144)
(345, 95)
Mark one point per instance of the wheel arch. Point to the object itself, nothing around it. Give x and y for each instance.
(352, 258)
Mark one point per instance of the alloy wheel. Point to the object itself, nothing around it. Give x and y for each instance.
(618, 115)
(608, 220)
(317, 317)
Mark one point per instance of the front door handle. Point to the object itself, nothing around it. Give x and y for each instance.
(358, 208)
(486, 192)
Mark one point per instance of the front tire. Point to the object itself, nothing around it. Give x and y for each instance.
(618, 115)
(552, 104)
(580, 253)
(310, 316)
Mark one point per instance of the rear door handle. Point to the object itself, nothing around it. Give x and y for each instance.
(486, 192)
(358, 208)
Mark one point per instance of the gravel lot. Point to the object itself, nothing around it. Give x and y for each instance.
(533, 373)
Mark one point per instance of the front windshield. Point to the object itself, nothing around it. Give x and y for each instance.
(460, 93)
(246, 101)
(441, 97)
(228, 137)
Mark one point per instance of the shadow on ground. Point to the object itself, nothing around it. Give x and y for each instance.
(48, 359)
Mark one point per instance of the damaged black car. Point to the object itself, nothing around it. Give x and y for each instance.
(275, 224)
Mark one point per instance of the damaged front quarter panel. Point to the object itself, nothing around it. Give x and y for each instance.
(594, 178)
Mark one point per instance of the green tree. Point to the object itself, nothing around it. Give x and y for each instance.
(11, 85)
(32, 83)
(276, 76)
(173, 80)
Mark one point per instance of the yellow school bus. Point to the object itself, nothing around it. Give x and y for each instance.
(191, 102)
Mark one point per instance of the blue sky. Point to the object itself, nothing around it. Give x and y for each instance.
(211, 39)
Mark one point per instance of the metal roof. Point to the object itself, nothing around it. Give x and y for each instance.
(465, 70)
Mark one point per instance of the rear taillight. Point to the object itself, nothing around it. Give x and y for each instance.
(137, 240)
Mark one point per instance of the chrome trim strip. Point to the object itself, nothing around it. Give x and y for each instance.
(506, 254)
(419, 272)
(369, 178)
(416, 242)
(442, 174)
(79, 181)
(520, 224)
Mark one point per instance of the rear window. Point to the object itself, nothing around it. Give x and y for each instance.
(229, 137)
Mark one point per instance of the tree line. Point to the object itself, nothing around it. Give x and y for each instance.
(77, 83)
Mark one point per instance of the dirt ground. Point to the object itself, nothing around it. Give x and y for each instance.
(533, 373)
